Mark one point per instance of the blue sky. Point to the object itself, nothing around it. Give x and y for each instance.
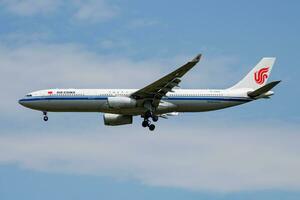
(247, 152)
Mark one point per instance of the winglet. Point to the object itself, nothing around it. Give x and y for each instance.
(197, 58)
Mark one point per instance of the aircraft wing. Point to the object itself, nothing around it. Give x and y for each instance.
(161, 87)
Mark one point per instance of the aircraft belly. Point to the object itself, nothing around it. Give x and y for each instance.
(70, 105)
(201, 105)
(84, 106)
(126, 111)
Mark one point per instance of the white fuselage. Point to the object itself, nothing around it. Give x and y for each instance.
(96, 100)
(158, 99)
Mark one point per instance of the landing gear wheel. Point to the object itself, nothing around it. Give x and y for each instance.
(145, 123)
(45, 118)
(151, 127)
(155, 118)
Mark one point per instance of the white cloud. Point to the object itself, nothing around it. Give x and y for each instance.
(95, 10)
(139, 23)
(30, 7)
(113, 44)
(18, 38)
(212, 158)
(87, 11)
(71, 65)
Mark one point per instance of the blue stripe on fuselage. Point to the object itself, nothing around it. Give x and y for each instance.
(63, 98)
(208, 98)
(240, 99)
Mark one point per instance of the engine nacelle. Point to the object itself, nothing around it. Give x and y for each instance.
(116, 120)
(121, 102)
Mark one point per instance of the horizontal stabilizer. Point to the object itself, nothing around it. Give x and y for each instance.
(262, 90)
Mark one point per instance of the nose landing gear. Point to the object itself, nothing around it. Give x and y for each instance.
(45, 116)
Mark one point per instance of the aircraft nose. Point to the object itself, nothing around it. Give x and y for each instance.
(22, 102)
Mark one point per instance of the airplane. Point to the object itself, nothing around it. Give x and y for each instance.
(160, 99)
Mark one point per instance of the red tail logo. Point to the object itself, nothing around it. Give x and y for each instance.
(261, 75)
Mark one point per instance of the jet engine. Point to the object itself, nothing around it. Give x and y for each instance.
(116, 120)
(121, 102)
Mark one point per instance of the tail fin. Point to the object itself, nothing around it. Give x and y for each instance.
(258, 76)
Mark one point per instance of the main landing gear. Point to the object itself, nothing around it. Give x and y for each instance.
(45, 116)
(147, 122)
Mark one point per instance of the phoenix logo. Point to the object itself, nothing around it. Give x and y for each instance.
(261, 75)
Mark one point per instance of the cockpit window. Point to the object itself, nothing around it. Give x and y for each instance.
(29, 95)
